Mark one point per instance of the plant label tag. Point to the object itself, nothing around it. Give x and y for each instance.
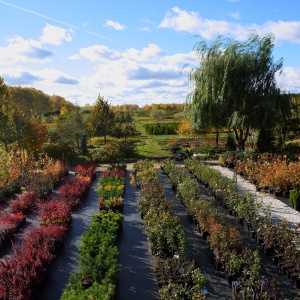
(235, 283)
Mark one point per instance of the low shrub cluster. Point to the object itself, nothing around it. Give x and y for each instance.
(111, 189)
(38, 185)
(161, 128)
(71, 194)
(115, 151)
(24, 202)
(20, 172)
(96, 278)
(9, 224)
(21, 271)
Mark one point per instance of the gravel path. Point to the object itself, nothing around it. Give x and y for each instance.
(279, 210)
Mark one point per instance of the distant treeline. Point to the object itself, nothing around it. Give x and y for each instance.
(161, 128)
(37, 102)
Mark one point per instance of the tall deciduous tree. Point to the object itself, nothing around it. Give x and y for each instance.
(7, 108)
(71, 129)
(102, 118)
(35, 136)
(235, 85)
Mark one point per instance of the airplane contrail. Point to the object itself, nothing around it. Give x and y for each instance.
(54, 20)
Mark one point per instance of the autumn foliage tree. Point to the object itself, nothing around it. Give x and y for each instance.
(185, 127)
(35, 136)
(6, 115)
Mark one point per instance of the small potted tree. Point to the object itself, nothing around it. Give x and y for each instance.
(295, 198)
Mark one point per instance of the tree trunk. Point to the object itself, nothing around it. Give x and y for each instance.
(245, 137)
(217, 138)
(6, 147)
(239, 136)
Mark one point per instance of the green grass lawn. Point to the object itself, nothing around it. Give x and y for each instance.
(149, 146)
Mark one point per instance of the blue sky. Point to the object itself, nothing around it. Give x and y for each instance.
(130, 51)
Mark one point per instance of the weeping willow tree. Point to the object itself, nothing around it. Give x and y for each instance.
(235, 86)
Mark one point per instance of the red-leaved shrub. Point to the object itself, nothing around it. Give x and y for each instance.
(8, 224)
(24, 202)
(57, 211)
(26, 266)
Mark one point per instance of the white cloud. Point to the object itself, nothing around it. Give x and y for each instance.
(151, 52)
(114, 25)
(21, 50)
(235, 15)
(55, 35)
(183, 60)
(290, 79)
(103, 53)
(181, 20)
(191, 22)
(285, 31)
(97, 53)
(46, 75)
(135, 75)
(147, 21)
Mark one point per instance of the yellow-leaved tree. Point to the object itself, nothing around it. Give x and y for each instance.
(185, 128)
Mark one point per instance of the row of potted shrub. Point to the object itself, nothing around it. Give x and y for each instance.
(24, 269)
(70, 195)
(112, 187)
(9, 224)
(98, 267)
(12, 216)
(21, 271)
(54, 173)
(177, 277)
(224, 241)
(23, 172)
(279, 240)
(269, 172)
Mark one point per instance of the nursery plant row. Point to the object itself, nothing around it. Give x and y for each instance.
(240, 264)
(177, 276)
(98, 253)
(269, 172)
(24, 268)
(98, 267)
(14, 210)
(280, 241)
(111, 189)
(24, 173)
